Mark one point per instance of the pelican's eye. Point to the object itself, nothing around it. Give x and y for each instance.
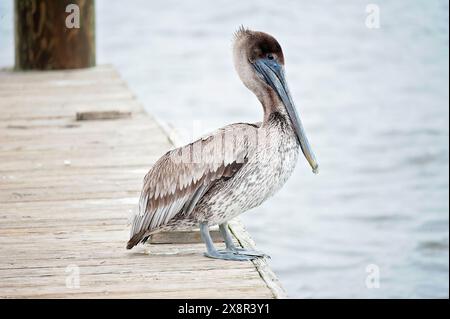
(270, 56)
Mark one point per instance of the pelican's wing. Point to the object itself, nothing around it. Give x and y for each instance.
(182, 176)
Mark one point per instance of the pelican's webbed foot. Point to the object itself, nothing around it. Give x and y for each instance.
(212, 252)
(245, 252)
(228, 255)
(231, 247)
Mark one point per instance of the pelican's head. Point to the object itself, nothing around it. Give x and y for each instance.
(259, 61)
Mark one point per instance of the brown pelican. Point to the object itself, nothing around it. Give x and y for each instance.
(236, 168)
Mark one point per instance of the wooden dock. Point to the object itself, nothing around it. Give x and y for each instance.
(74, 148)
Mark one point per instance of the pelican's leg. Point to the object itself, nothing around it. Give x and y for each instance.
(231, 247)
(225, 232)
(212, 252)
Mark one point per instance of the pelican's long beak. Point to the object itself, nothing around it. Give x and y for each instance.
(273, 74)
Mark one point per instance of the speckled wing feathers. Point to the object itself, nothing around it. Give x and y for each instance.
(181, 177)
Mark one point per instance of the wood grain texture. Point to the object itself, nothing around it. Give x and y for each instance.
(45, 41)
(67, 189)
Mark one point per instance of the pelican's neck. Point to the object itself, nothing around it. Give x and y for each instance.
(271, 103)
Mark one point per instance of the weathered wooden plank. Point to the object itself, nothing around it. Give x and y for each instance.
(242, 291)
(20, 108)
(106, 72)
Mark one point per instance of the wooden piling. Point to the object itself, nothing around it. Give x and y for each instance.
(54, 34)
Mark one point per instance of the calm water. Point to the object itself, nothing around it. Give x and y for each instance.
(375, 105)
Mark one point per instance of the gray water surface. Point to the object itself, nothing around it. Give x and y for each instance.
(375, 105)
